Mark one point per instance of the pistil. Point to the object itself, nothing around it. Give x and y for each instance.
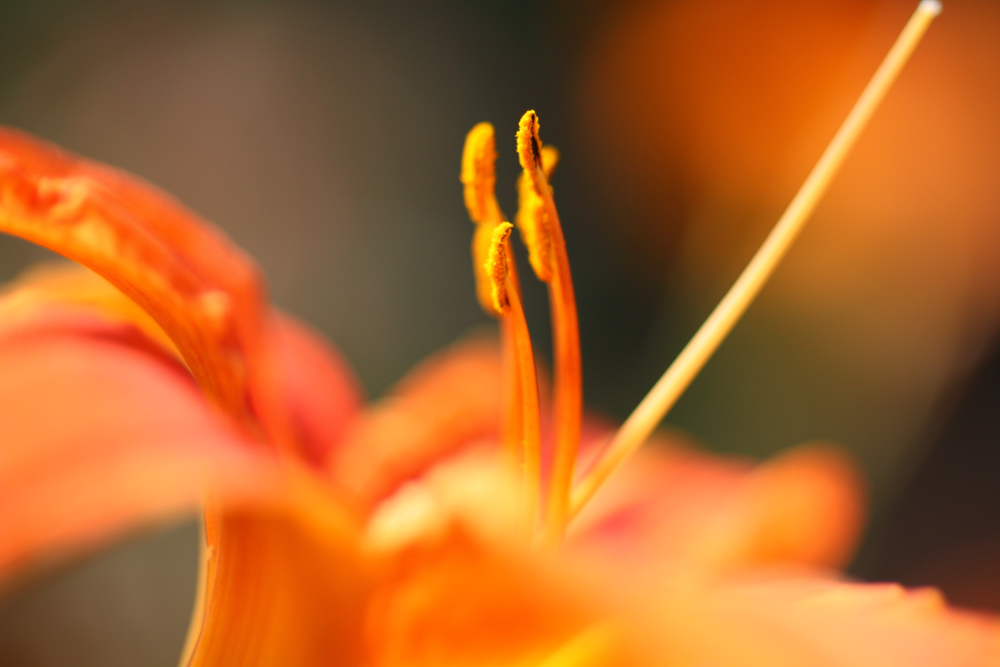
(678, 377)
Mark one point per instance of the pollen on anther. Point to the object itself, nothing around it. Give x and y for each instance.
(529, 146)
(497, 267)
(478, 173)
(532, 218)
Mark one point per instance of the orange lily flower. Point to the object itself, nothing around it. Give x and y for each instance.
(426, 529)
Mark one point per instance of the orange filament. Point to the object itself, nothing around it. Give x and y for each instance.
(665, 393)
(513, 421)
(499, 292)
(507, 299)
(543, 234)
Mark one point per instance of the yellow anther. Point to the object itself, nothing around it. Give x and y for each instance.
(531, 152)
(532, 221)
(478, 178)
(532, 212)
(529, 147)
(479, 174)
(497, 267)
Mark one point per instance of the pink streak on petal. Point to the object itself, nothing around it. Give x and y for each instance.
(317, 386)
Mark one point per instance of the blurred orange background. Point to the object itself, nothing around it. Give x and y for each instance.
(325, 138)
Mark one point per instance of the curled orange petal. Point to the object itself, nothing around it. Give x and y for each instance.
(272, 569)
(205, 293)
(63, 284)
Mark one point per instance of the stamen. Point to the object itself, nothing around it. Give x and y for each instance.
(497, 267)
(544, 237)
(507, 300)
(665, 393)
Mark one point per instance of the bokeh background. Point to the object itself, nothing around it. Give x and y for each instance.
(325, 137)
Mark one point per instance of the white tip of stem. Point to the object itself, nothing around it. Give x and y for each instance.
(932, 7)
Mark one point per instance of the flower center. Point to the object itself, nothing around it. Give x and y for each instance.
(498, 286)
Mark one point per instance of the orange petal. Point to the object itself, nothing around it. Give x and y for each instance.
(102, 432)
(203, 292)
(310, 380)
(466, 584)
(63, 284)
(459, 606)
(274, 575)
(450, 401)
(787, 621)
(678, 504)
(805, 506)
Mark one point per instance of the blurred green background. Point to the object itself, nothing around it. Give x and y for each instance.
(325, 139)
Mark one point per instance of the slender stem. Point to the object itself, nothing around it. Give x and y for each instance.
(665, 393)
(529, 436)
(568, 391)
